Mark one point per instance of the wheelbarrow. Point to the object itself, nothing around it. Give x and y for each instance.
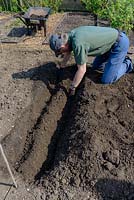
(35, 18)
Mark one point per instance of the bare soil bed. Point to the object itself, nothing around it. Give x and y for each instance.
(65, 149)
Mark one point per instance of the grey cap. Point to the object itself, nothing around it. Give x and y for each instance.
(55, 42)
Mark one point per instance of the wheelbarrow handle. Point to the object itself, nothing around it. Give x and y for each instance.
(20, 17)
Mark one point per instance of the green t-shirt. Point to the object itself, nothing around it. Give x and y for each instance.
(91, 41)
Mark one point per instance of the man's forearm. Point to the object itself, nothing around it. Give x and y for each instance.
(79, 75)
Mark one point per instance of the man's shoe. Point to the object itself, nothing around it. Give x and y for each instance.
(131, 64)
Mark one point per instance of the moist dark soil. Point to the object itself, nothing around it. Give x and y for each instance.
(68, 148)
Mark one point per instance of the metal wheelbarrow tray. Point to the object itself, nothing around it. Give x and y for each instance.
(35, 17)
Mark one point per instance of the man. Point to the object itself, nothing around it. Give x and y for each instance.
(109, 45)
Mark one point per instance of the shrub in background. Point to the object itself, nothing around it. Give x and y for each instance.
(95, 7)
(119, 13)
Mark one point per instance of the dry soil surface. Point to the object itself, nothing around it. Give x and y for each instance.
(60, 148)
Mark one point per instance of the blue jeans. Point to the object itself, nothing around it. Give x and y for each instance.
(116, 64)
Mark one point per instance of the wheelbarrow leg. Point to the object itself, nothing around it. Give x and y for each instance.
(8, 167)
(43, 24)
(28, 24)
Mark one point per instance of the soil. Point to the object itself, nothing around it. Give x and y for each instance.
(65, 148)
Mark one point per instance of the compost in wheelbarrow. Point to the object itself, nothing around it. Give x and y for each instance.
(35, 18)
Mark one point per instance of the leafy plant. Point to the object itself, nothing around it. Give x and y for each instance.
(95, 7)
(120, 13)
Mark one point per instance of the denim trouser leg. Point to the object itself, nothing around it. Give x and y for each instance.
(115, 66)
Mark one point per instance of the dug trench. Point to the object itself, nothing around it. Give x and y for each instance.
(37, 130)
(80, 147)
(42, 139)
(28, 141)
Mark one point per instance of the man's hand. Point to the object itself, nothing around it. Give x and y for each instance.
(72, 90)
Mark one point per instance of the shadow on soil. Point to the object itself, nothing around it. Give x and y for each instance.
(6, 184)
(116, 190)
(46, 73)
(17, 32)
(49, 74)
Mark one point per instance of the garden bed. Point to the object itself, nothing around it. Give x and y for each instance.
(68, 149)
